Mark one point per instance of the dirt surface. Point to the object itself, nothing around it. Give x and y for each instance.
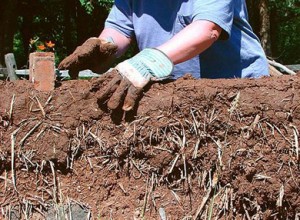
(193, 149)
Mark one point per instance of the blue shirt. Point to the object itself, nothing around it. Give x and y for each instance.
(237, 53)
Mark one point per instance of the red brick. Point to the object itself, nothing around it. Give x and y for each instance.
(42, 71)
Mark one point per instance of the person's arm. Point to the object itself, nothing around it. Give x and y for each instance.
(157, 63)
(191, 41)
(121, 41)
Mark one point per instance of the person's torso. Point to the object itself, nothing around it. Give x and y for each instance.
(157, 21)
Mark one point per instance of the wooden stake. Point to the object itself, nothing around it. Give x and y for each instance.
(11, 66)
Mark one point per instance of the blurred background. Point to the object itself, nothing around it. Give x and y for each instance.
(26, 25)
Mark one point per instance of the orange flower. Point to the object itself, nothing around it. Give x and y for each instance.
(41, 47)
(50, 44)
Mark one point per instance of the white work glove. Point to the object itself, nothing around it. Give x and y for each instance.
(127, 79)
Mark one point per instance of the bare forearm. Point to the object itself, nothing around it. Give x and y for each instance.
(191, 41)
(119, 39)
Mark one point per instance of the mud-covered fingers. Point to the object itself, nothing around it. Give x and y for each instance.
(101, 81)
(96, 47)
(118, 96)
(109, 88)
(97, 83)
(74, 60)
(65, 63)
(73, 73)
(132, 97)
(101, 65)
(108, 49)
(81, 54)
(88, 47)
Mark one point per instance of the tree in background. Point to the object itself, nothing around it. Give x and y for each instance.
(260, 20)
(277, 24)
(68, 23)
(8, 25)
(285, 29)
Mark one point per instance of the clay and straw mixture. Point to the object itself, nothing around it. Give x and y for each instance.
(193, 149)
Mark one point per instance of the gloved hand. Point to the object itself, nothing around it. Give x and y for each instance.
(125, 83)
(94, 54)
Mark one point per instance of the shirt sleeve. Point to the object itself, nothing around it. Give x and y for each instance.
(219, 12)
(120, 18)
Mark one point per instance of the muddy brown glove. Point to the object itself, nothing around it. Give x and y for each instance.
(127, 79)
(94, 54)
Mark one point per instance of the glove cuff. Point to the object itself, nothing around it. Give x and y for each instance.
(152, 63)
(149, 64)
(132, 74)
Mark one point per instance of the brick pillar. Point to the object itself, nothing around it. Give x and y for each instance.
(42, 71)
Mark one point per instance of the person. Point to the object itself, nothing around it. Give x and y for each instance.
(208, 39)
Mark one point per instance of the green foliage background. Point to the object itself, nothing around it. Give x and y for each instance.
(90, 5)
(86, 18)
(285, 24)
